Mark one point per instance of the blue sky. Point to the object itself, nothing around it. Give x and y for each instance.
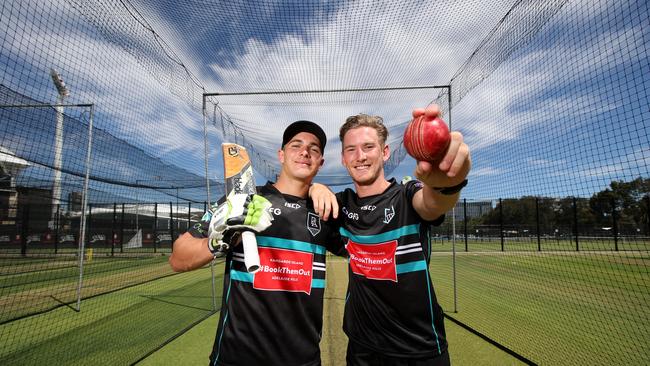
(564, 114)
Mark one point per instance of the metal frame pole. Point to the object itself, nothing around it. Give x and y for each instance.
(82, 234)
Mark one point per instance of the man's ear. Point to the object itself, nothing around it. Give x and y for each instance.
(386, 152)
(281, 156)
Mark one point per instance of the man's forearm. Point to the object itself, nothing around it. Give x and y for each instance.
(431, 204)
(189, 253)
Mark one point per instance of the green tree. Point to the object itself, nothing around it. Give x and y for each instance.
(629, 200)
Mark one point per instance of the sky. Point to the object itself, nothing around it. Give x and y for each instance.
(559, 112)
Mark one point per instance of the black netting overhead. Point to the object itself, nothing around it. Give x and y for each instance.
(112, 113)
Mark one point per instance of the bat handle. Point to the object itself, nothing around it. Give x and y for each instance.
(251, 255)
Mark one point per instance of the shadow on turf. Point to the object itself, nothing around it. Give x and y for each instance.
(159, 299)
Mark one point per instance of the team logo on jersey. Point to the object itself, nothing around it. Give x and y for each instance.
(313, 223)
(284, 270)
(389, 213)
(373, 261)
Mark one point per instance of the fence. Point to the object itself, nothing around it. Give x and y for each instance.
(551, 96)
(531, 277)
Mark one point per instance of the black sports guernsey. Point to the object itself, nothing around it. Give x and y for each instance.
(391, 307)
(274, 317)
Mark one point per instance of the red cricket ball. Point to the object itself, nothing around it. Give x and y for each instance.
(427, 139)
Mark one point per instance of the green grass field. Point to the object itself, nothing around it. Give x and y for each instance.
(194, 347)
(554, 308)
(116, 328)
(551, 307)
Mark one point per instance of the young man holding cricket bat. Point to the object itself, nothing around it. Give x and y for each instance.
(272, 316)
(391, 314)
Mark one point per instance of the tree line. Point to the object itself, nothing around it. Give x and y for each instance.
(623, 207)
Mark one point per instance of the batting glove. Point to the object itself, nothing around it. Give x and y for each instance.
(239, 212)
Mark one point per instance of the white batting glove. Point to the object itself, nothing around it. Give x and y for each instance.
(239, 212)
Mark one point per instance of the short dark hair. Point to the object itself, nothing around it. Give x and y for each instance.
(304, 126)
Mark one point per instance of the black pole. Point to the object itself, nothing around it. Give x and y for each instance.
(155, 227)
(171, 226)
(539, 239)
(465, 220)
(501, 223)
(113, 233)
(122, 230)
(614, 224)
(647, 213)
(88, 222)
(23, 230)
(189, 215)
(57, 226)
(575, 222)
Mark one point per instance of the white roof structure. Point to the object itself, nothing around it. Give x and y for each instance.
(10, 163)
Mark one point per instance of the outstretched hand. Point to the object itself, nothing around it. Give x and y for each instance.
(454, 166)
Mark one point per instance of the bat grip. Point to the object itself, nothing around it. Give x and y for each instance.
(251, 255)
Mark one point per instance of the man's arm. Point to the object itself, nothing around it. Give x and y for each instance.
(207, 239)
(452, 170)
(324, 200)
(190, 253)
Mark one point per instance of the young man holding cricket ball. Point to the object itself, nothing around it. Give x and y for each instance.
(392, 316)
(274, 316)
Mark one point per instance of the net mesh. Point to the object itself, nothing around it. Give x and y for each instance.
(550, 242)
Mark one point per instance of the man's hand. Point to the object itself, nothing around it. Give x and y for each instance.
(240, 212)
(454, 166)
(324, 201)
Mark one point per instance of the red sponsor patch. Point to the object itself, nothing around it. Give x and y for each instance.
(375, 261)
(284, 270)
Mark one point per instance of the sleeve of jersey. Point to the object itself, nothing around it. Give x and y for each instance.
(200, 229)
(412, 187)
(336, 243)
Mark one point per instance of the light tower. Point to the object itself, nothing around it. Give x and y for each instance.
(58, 142)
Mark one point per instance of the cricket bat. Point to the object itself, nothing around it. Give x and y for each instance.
(238, 178)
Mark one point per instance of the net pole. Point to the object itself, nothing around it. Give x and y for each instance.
(453, 217)
(82, 230)
(207, 185)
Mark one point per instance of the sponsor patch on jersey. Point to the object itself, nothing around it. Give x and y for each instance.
(284, 270)
(376, 261)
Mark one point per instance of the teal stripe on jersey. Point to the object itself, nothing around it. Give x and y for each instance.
(411, 267)
(433, 324)
(225, 319)
(248, 277)
(241, 276)
(383, 237)
(267, 241)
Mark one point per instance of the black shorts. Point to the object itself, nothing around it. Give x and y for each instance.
(360, 356)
